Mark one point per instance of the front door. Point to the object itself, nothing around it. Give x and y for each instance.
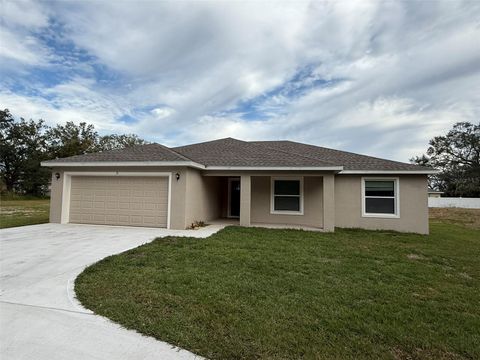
(233, 198)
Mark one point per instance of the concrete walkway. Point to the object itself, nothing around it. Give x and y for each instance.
(39, 315)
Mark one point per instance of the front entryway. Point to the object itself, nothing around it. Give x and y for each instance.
(233, 197)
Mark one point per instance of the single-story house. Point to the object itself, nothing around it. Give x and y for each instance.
(254, 183)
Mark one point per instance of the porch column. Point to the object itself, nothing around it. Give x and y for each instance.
(245, 198)
(329, 202)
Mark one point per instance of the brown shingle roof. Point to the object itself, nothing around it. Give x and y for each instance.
(233, 152)
(230, 152)
(148, 152)
(350, 161)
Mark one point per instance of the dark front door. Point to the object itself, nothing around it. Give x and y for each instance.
(234, 197)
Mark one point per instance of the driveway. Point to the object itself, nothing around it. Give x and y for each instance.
(39, 315)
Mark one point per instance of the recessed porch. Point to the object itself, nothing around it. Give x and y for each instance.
(296, 201)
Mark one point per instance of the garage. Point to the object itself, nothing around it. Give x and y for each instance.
(119, 200)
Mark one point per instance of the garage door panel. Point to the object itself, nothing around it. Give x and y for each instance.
(86, 204)
(136, 219)
(99, 204)
(124, 205)
(111, 218)
(76, 197)
(110, 205)
(150, 220)
(138, 201)
(149, 206)
(100, 218)
(75, 218)
(75, 203)
(83, 217)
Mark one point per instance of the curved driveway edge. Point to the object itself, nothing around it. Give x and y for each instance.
(39, 315)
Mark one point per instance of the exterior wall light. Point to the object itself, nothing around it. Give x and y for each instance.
(57, 176)
(177, 176)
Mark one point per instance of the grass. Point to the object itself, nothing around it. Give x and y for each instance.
(20, 211)
(249, 293)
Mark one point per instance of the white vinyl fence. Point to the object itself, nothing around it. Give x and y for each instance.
(466, 203)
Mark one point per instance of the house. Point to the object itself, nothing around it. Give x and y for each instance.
(434, 193)
(255, 183)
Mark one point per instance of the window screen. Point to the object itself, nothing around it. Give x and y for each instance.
(380, 197)
(286, 195)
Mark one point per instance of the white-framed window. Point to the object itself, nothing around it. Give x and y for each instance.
(380, 197)
(286, 195)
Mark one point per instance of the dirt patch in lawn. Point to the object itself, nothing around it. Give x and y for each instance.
(467, 217)
(23, 212)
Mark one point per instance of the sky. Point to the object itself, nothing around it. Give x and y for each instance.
(373, 77)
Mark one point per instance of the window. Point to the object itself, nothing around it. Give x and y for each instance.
(287, 196)
(380, 197)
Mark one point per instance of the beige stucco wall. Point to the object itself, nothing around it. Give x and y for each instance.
(178, 196)
(312, 208)
(56, 191)
(203, 197)
(413, 205)
(198, 197)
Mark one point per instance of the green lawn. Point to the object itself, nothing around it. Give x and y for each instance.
(249, 293)
(20, 212)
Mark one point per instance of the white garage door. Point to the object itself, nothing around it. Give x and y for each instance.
(119, 200)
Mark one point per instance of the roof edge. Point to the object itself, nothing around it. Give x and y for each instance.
(379, 171)
(53, 163)
(263, 168)
(339, 169)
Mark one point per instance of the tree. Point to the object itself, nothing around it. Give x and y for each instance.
(25, 144)
(71, 139)
(457, 156)
(112, 142)
(22, 148)
(9, 169)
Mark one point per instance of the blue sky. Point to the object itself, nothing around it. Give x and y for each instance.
(376, 77)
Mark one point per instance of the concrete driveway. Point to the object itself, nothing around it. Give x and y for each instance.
(39, 315)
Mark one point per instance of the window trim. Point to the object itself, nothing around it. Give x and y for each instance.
(396, 188)
(272, 195)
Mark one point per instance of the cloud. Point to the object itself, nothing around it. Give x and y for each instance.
(17, 45)
(73, 101)
(24, 13)
(22, 49)
(162, 112)
(374, 77)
